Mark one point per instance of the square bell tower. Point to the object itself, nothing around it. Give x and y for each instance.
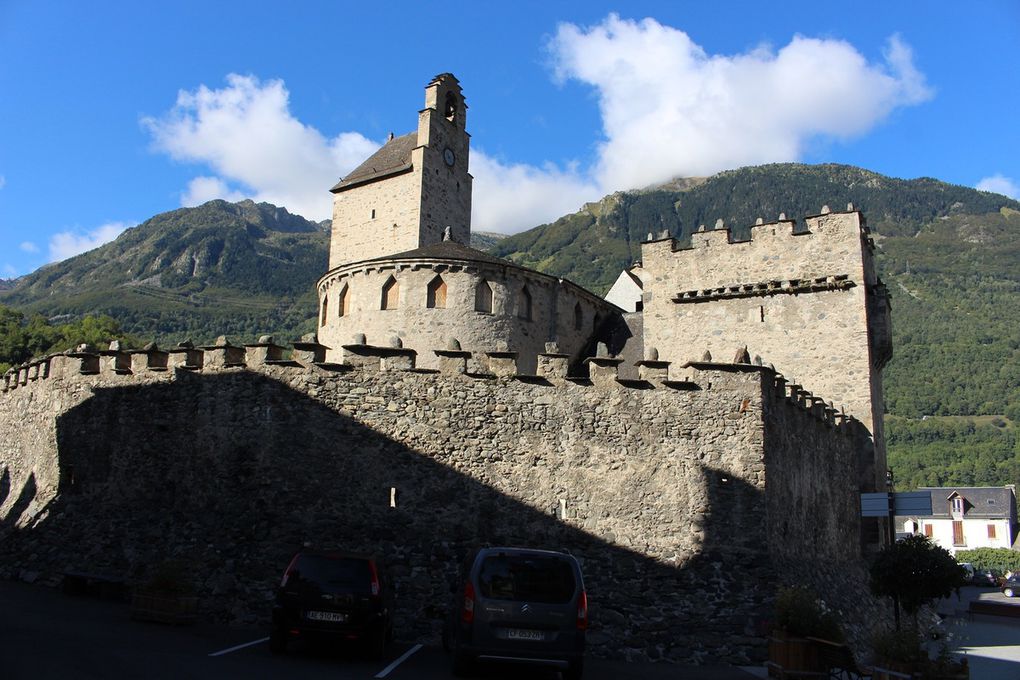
(410, 190)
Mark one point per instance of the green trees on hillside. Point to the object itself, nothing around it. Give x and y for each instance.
(22, 338)
(944, 452)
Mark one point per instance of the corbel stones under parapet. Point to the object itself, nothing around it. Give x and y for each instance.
(836, 282)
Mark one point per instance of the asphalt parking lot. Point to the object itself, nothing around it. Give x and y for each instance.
(47, 634)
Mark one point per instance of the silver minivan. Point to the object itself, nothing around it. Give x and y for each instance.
(519, 605)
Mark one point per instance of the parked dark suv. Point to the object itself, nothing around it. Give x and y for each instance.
(332, 597)
(519, 605)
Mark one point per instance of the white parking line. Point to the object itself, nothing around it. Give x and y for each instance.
(237, 647)
(386, 671)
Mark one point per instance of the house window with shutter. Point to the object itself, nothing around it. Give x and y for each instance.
(928, 530)
(991, 531)
(958, 533)
(958, 506)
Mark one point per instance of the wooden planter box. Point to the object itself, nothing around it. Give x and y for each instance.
(160, 607)
(792, 654)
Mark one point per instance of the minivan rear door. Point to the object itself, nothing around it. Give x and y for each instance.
(526, 602)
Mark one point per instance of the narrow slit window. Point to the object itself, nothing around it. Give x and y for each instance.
(436, 296)
(343, 306)
(483, 297)
(390, 294)
(524, 304)
(578, 317)
(325, 307)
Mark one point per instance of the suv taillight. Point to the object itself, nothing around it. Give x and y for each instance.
(582, 611)
(290, 570)
(467, 614)
(375, 578)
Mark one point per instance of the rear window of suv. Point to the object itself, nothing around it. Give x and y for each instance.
(335, 574)
(533, 578)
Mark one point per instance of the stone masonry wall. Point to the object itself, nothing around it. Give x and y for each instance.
(798, 300)
(672, 494)
(553, 317)
(358, 235)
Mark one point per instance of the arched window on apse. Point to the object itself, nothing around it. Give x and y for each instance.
(343, 306)
(524, 304)
(483, 297)
(390, 292)
(325, 307)
(436, 296)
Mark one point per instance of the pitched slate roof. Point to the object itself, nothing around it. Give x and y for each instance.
(392, 158)
(981, 501)
(449, 250)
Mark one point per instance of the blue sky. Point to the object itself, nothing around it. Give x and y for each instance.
(113, 112)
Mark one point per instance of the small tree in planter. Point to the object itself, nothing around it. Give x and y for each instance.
(915, 572)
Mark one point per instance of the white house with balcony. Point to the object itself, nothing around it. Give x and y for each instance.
(965, 518)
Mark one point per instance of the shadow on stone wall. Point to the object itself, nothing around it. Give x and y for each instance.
(232, 473)
(25, 497)
(5, 486)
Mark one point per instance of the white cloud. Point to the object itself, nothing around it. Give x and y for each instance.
(515, 196)
(29, 247)
(9, 271)
(247, 135)
(203, 189)
(70, 243)
(669, 108)
(3, 181)
(1000, 185)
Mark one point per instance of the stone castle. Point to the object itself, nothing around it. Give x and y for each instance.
(682, 438)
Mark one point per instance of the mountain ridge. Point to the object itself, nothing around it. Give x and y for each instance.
(949, 254)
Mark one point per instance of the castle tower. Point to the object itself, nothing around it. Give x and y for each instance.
(410, 190)
(809, 302)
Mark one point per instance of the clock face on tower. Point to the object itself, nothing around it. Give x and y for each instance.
(448, 156)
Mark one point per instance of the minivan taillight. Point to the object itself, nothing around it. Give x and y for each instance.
(375, 578)
(290, 570)
(467, 614)
(582, 611)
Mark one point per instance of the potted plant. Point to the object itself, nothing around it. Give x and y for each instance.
(900, 653)
(914, 572)
(803, 620)
(167, 597)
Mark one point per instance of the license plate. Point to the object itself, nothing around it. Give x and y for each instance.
(326, 616)
(519, 634)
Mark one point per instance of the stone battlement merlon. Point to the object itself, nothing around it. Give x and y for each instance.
(553, 368)
(781, 228)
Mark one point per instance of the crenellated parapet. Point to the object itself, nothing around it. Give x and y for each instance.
(117, 367)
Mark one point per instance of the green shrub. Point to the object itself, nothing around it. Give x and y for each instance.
(800, 612)
(1000, 559)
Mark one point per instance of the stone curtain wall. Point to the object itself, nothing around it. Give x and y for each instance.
(661, 490)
